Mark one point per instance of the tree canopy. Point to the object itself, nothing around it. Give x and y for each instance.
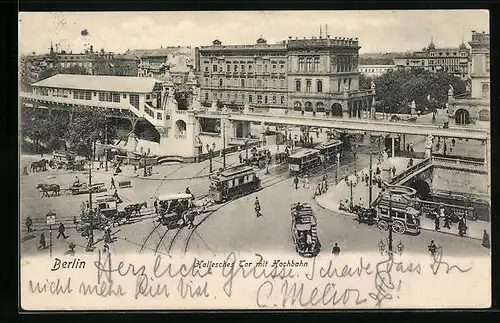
(396, 90)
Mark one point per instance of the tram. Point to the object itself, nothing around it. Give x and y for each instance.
(304, 230)
(233, 182)
(329, 149)
(303, 160)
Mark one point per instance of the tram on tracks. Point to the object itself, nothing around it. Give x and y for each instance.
(304, 230)
(328, 150)
(233, 183)
(172, 207)
(303, 160)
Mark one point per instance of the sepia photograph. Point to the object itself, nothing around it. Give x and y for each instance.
(265, 160)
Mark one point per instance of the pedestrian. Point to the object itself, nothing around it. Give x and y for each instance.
(378, 171)
(367, 179)
(447, 221)
(436, 223)
(411, 147)
(462, 228)
(77, 181)
(296, 182)
(257, 207)
(306, 182)
(61, 231)
(29, 223)
(112, 183)
(135, 168)
(25, 170)
(432, 248)
(90, 241)
(156, 205)
(42, 242)
(407, 147)
(486, 240)
(453, 142)
(188, 191)
(107, 234)
(318, 189)
(336, 250)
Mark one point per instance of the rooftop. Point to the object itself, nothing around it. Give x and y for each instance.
(126, 84)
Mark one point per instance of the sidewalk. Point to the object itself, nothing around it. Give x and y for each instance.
(331, 199)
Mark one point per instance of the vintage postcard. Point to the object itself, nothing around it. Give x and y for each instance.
(254, 160)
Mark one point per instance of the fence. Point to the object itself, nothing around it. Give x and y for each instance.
(410, 170)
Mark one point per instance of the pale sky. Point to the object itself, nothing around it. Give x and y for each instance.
(378, 31)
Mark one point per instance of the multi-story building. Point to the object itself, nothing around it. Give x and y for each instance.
(154, 63)
(375, 70)
(480, 68)
(453, 61)
(316, 75)
(115, 64)
(236, 74)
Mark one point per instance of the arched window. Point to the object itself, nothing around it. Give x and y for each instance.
(320, 107)
(319, 86)
(308, 86)
(250, 98)
(308, 106)
(301, 63)
(242, 82)
(485, 89)
(297, 106)
(220, 82)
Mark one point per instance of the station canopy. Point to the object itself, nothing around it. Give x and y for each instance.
(106, 83)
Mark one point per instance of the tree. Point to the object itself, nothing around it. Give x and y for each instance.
(365, 82)
(87, 128)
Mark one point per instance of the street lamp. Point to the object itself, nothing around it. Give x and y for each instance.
(210, 153)
(371, 181)
(352, 182)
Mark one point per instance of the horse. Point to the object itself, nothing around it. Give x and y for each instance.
(133, 209)
(40, 165)
(46, 188)
(198, 206)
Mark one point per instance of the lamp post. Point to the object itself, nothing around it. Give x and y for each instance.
(106, 149)
(210, 153)
(352, 183)
(90, 183)
(371, 181)
(390, 223)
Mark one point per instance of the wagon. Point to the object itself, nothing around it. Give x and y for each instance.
(304, 225)
(83, 188)
(124, 184)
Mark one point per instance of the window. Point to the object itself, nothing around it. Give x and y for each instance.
(274, 67)
(274, 99)
(319, 86)
(228, 68)
(259, 83)
(206, 81)
(116, 97)
(316, 63)
(274, 83)
(133, 99)
(308, 86)
(148, 97)
(259, 68)
(242, 68)
(282, 66)
(250, 82)
(206, 68)
(242, 82)
(282, 100)
(265, 99)
(250, 98)
(266, 67)
(301, 63)
(220, 82)
(206, 96)
(282, 83)
(259, 98)
(309, 64)
(349, 87)
(249, 68)
(236, 68)
(297, 85)
(487, 62)
(214, 95)
(220, 69)
(214, 68)
(243, 97)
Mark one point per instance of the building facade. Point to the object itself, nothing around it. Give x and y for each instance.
(480, 67)
(236, 74)
(307, 75)
(376, 70)
(453, 61)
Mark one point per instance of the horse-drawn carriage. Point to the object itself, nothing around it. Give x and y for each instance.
(106, 212)
(84, 188)
(171, 208)
(258, 157)
(304, 230)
